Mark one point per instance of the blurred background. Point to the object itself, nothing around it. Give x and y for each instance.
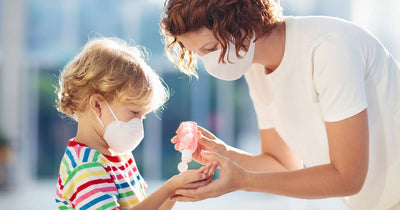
(38, 37)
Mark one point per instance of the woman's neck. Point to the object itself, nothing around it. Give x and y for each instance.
(270, 48)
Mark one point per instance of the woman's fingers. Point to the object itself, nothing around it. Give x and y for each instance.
(202, 170)
(174, 139)
(206, 133)
(207, 143)
(213, 156)
(206, 168)
(212, 169)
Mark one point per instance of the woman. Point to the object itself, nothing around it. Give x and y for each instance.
(326, 94)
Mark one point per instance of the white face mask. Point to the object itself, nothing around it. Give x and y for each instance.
(232, 69)
(123, 137)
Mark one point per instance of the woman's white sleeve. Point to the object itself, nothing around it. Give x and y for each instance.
(339, 77)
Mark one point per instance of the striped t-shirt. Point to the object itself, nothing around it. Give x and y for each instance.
(91, 180)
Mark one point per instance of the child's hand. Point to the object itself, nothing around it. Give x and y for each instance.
(193, 178)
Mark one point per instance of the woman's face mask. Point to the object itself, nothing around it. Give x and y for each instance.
(123, 137)
(234, 67)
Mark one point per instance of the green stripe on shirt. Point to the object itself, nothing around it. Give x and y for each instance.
(83, 166)
(96, 156)
(64, 207)
(66, 165)
(112, 204)
(123, 195)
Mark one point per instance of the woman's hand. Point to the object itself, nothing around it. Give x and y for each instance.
(230, 179)
(207, 142)
(192, 179)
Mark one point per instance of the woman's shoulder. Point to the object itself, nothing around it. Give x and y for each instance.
(311, 31)
(316, 19)
(320, 25)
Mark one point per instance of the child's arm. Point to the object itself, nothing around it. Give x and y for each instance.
(159, 199)
(156, 199)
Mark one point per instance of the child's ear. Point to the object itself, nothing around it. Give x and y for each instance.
(96, 103)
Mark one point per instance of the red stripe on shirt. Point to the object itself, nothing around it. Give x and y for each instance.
(89, 183)
(60, 182)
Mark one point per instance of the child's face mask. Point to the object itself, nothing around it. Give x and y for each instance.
(229, 71)
(122, 137)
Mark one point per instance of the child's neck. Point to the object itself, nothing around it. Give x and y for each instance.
(88, 135)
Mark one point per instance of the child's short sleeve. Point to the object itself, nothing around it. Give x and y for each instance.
(338, 74)
(89, 186)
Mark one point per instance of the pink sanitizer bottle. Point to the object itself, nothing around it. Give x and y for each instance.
(187, 140)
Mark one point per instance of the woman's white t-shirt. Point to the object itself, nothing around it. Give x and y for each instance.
(330, 71)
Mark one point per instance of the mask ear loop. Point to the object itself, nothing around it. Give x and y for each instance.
(109, 107)
(251, 41)
(112, 112)
(101, 122)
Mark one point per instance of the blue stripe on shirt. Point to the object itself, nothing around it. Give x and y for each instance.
(96, 201)
(71, 157)
(86, 155)
(60, 201)
(126, 184)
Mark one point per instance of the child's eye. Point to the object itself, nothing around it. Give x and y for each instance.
(137, 114)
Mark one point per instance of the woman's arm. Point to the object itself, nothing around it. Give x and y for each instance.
(343, 176)
(275, 154)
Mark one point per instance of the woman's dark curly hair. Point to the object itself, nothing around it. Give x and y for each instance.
(228, 19)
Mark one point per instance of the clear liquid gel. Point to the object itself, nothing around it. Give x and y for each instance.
(187, 140)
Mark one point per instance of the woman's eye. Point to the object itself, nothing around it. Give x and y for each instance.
(135, 113)
(212, 49)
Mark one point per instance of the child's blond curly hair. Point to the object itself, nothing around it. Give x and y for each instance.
(113, 69)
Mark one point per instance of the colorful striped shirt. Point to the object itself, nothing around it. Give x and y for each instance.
(91, 180)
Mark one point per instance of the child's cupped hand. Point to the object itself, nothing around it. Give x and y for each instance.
(192, 179)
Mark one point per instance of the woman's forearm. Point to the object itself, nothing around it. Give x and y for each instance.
(315, 182)
(262, 162)
(168, 204)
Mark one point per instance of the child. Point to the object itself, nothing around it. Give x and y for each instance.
(108, 89)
